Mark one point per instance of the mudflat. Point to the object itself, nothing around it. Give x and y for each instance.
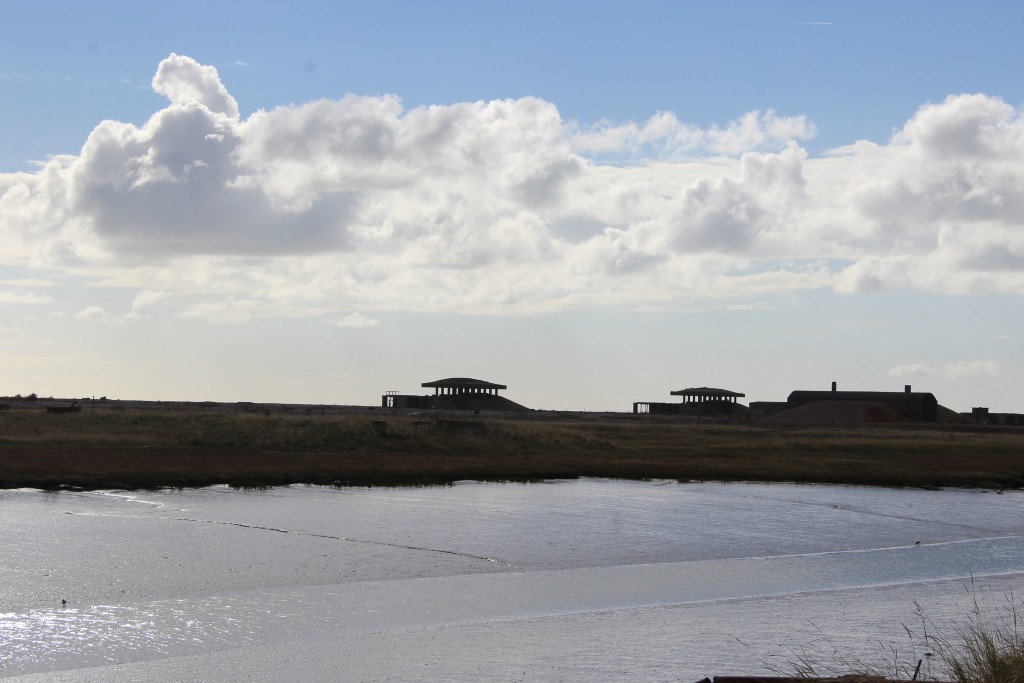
(201, 445)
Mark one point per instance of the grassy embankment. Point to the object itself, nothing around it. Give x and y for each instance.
(185, 449)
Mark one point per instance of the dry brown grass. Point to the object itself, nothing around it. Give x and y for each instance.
(985, 646)
(149, 449)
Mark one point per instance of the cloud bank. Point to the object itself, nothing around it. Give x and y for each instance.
(505, 207)
(951, 371)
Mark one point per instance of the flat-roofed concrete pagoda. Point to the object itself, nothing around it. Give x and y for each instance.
(457, 386)
(696, 401)
(702, 394)
(454, 393)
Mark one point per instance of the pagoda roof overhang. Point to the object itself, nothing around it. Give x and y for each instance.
(464, 383)
(708, 392)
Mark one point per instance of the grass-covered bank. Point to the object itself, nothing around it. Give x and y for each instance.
(149, 449)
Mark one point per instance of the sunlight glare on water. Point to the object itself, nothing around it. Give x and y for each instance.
(176, 585)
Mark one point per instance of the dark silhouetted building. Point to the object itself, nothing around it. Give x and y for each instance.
(909, 405)
(454, 393)
(695, 401)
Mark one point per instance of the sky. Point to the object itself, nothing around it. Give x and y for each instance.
(592, 203)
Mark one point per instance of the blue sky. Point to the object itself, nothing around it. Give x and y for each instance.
(858, 68)
(594, 203)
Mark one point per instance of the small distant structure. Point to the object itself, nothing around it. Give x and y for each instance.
(454, 393)
(985, 417)
(695, 400)
(459, 386)
(73, 407)
(906, 404)
(703, 394)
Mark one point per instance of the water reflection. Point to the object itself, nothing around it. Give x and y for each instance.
(814, 542)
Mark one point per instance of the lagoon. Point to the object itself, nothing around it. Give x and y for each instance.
(570, 580)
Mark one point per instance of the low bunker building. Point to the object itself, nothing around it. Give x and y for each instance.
(909, 405)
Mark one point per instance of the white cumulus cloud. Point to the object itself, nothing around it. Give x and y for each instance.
(96, 314)
(973, 368)
(664, 135)
(29, 282)
(225, 311)
(13, 297)
(952, 371)
(356, 319)
(911, 369)
(185, 81)
(503, 206)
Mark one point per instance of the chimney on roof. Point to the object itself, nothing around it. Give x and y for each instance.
(906, 388)
(833, 386)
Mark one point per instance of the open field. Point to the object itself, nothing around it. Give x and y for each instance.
(151, 448)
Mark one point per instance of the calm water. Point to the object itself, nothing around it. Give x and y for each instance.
(582, 580)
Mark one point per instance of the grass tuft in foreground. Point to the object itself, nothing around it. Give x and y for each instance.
(985, 650)
(984, 647)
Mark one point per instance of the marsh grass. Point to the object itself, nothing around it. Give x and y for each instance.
(891, 664)
(985, 646)
(153, 448)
